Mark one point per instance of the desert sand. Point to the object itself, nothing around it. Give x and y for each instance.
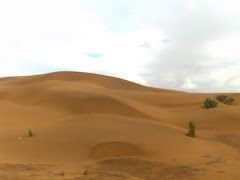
(113, 128)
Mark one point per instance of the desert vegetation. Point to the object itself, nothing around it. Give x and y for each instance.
(30, 134)
(62, 173)
(224, 99)
(209, 103)
(191, 131)
(85, 172)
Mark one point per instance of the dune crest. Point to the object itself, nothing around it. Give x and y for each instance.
(69, 76)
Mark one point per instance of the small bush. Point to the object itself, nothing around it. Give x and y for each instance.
(191, 131)
(62, 173)
(30, 133)
(210, 103)
(230, 100)
(224, 99)
(85, 172)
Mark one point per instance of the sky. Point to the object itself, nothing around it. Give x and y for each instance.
(186, 45)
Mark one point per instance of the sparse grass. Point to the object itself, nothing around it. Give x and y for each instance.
(211, 161)
(30, 134)
(62, 173)
(159, 164)
(214, 161)
(146, 171)
(206, 155)
(123, 175)
(190, 168)
(220, 171)
(85, 172)
(51, 177)
(185, 168)
(199, 168)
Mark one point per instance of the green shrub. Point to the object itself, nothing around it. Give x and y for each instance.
(191, 131)
(224, 99)
(62, 173)
(85, 172)
(30, 133)
(210, 103)
(230, 100)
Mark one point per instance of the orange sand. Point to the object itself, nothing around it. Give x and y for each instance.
(114, 128)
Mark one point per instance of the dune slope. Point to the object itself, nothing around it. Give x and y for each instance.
(82, 120)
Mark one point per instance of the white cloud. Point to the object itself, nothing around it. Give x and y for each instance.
(58, 34)
(186, 38)
(188, 85)
(227, 47)
(235, 82)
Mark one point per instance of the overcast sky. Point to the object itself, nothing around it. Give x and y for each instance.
(187, 45)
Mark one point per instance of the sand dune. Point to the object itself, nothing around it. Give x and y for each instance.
(115, 128)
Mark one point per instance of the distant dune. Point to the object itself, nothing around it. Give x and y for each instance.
(114, 128)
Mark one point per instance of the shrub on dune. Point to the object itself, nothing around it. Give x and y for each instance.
(191, 131)
(210, 103)
(230, 100)
(224, 99)
(85, 172)
(30, 133)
